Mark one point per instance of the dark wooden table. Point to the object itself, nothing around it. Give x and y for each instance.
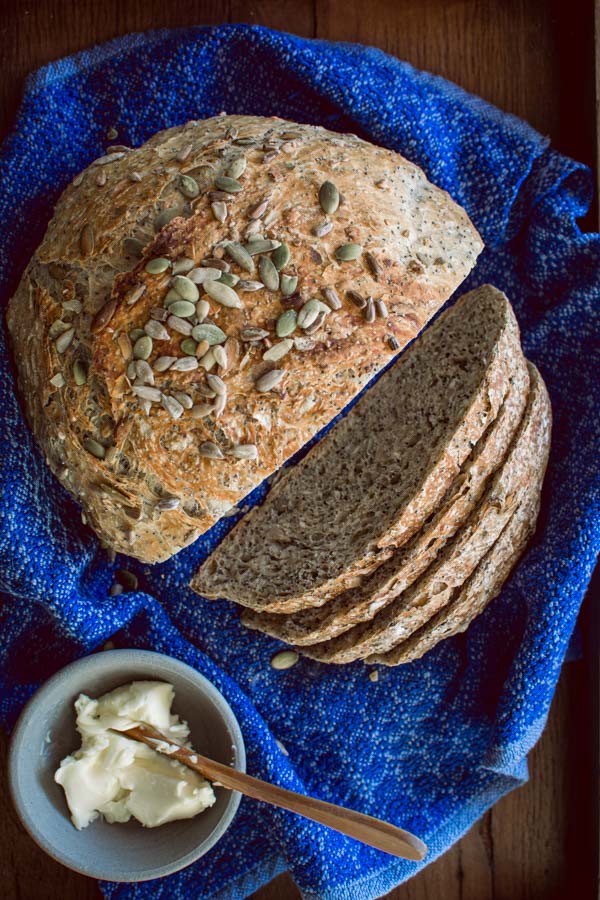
(533, 58)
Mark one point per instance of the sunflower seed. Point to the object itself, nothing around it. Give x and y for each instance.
(285, 660)
(221, 356)
(253, 334)
(329, 197)
(101, 178)
(270, 156)
(184, 364)
(229, 185)
(253, 229)
(237, 167)
(278, 351)
(183, 309)
(86, 240)
(156, 330)
(172, 406)
(58, 380)
(243, 451)
(143, 371)
(167, 504)
(289, 283)
(281, 256)
(245, 285)
(157, 265)
(133, 247)
(374, 265)
(183, 153)
(147, 393)
(219, 196)
(183, 266)
(78, 180)
(202, 310)
(393, 342)
(219, 210)
(381, 307)
(188, 186)
(72, 305)
(318, 322)
(188, 346)
(132, 296)
(208, 361)
(135, 176)
(213, 262)
(201, 348)
(245, 141)
(108, 158)
(158, 312)
(294, 301)
(181, 326)
(220, 404)
(63, 341)
(286, 323)
(259, 209)
(136, 333)
(223, 294)
(303, 344)
(261, 245)
(202, 275)
(370, 310)
(269, 380)
(79, 372)
(202, 410)
(331, 296)
(217, 384)
(348, 252)
(229, 279)
(270, 217)
(165, 217)
(163, 363)
(205, 390)
(322, 229)
(210, 333)
(324, 307)
(185, 399)
(268, 273)
(210, 450)
(186, 289)
(291, 135)
(308, 314)
(131, 371)
(357, 299)
(142, 347)
(240, 256)
(94, 448)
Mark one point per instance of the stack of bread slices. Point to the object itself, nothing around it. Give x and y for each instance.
(404, 521)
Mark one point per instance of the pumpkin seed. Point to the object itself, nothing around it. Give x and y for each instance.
(185, 399)
(142, 347)
(217, 384)
(322, 229)
(259, 209)
(357, 299)
(243, 451)
(281, 256)
(72, 305)
(331, 296)
(381, 307)
(166, 216)
(229, 278)
(202, 275)
(223, 294)
(308, 314)
(103, 316)
(289, 283)
(285, 659)
(269, 380)
(183, 309)
(157, 265)
(188, 186)
(348, 252)
(57, 327)
(240, 255)
(146, 392)
(278, 351)
(156, 330)
(245, 285)
(79, 372)
(86, 240)
(163, 363)
(168, 504)
(219, 210)
(58, 380)
(261, 245)
(134, 294)
(286, 323)
(229, 185)
(393, 342)
(213, 262)
(63, 341)
(184, 364)
(186, 288)
(209, 332)
(237, 167)
(172, 406)
(268, 273)
(220, 356)
(136, 333)
(94, 448)
(370, 310)
(374, 265)
(188, 346)
(143, 371)
(181, 326)
(210, 450)
(171, 296)
(253, 334)
(329, 197)
(202, 310)
(202, 410)
(183, 266)
(133, 247)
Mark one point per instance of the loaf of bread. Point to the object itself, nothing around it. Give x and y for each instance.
(202, 306)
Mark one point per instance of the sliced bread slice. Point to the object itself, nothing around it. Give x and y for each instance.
(412, 608)
(322, 623)
(323, 524)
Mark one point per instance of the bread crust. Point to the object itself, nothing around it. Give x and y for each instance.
(422, 246)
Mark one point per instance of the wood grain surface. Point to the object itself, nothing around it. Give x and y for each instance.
(532, 58)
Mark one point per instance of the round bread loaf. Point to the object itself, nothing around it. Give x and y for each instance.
(202, 306)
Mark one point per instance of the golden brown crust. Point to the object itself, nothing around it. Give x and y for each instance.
(422, 244)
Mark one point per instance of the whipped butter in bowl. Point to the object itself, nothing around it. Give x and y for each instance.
(133, 820)
(118, 778)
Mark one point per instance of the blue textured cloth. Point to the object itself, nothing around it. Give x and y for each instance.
(433, 744)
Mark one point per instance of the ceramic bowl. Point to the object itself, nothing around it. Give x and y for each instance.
(45, 734)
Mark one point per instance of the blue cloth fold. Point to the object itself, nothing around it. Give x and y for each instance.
(431, 745)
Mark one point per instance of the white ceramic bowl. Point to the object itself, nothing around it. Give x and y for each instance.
(45, 733)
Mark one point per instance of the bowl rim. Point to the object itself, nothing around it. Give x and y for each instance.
(99, 660)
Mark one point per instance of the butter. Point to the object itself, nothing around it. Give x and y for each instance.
(118, 778)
